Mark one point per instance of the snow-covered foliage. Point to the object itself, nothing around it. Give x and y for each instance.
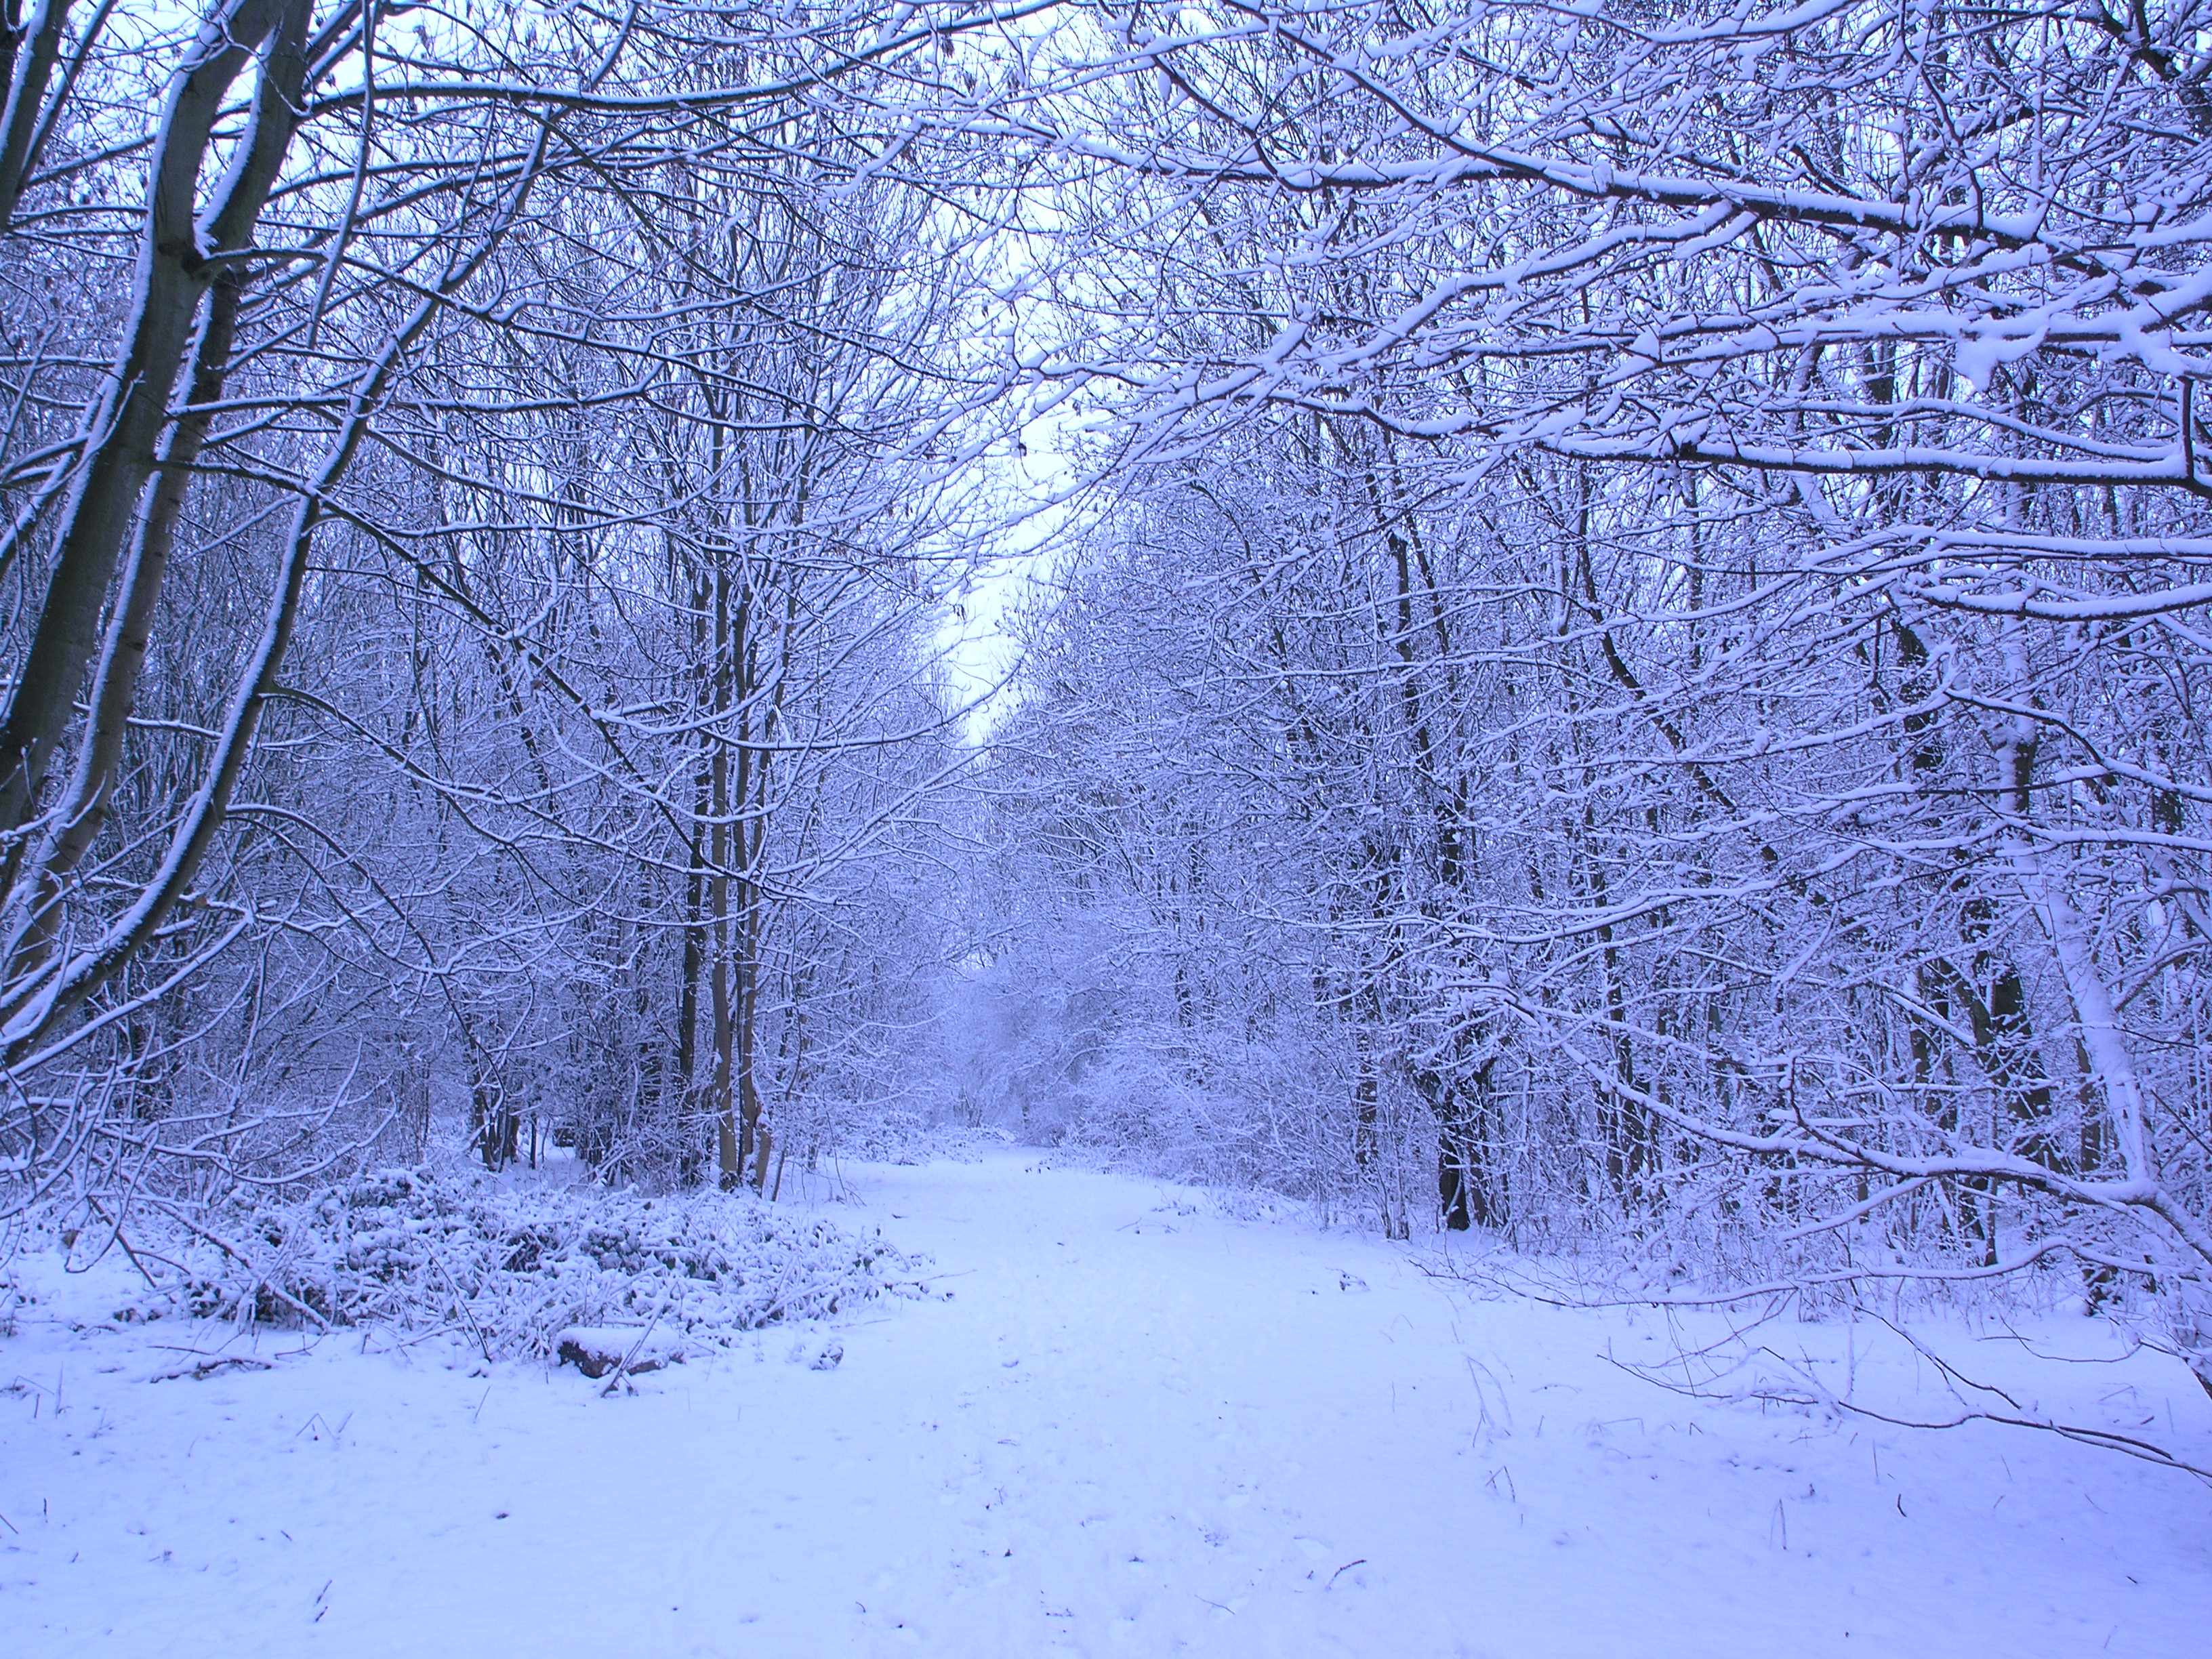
(1627, 672)
(510, 1268)
(1603, 668)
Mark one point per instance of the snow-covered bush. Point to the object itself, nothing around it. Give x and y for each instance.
(510, 1269)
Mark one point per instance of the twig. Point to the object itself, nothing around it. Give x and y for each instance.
(621, 1370)
(484, 1343)
(1813, 1392)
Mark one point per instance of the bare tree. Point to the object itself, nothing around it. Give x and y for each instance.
(1783, 532)
(324, 267)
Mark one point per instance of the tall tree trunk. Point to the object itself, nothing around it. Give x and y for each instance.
(121, 430)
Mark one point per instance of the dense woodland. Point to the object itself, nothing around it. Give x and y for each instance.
(1612, 647)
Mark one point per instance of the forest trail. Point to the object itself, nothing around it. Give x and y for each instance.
(1136, 1427)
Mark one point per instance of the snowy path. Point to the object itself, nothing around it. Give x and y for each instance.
(1131, 1431)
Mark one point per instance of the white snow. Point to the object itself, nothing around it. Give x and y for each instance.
(1136, 1427)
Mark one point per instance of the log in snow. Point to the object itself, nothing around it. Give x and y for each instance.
(595, 1350)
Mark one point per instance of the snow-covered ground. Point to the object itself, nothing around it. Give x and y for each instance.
(1134, 1428)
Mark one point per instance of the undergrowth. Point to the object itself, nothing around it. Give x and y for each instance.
(411, 1251)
